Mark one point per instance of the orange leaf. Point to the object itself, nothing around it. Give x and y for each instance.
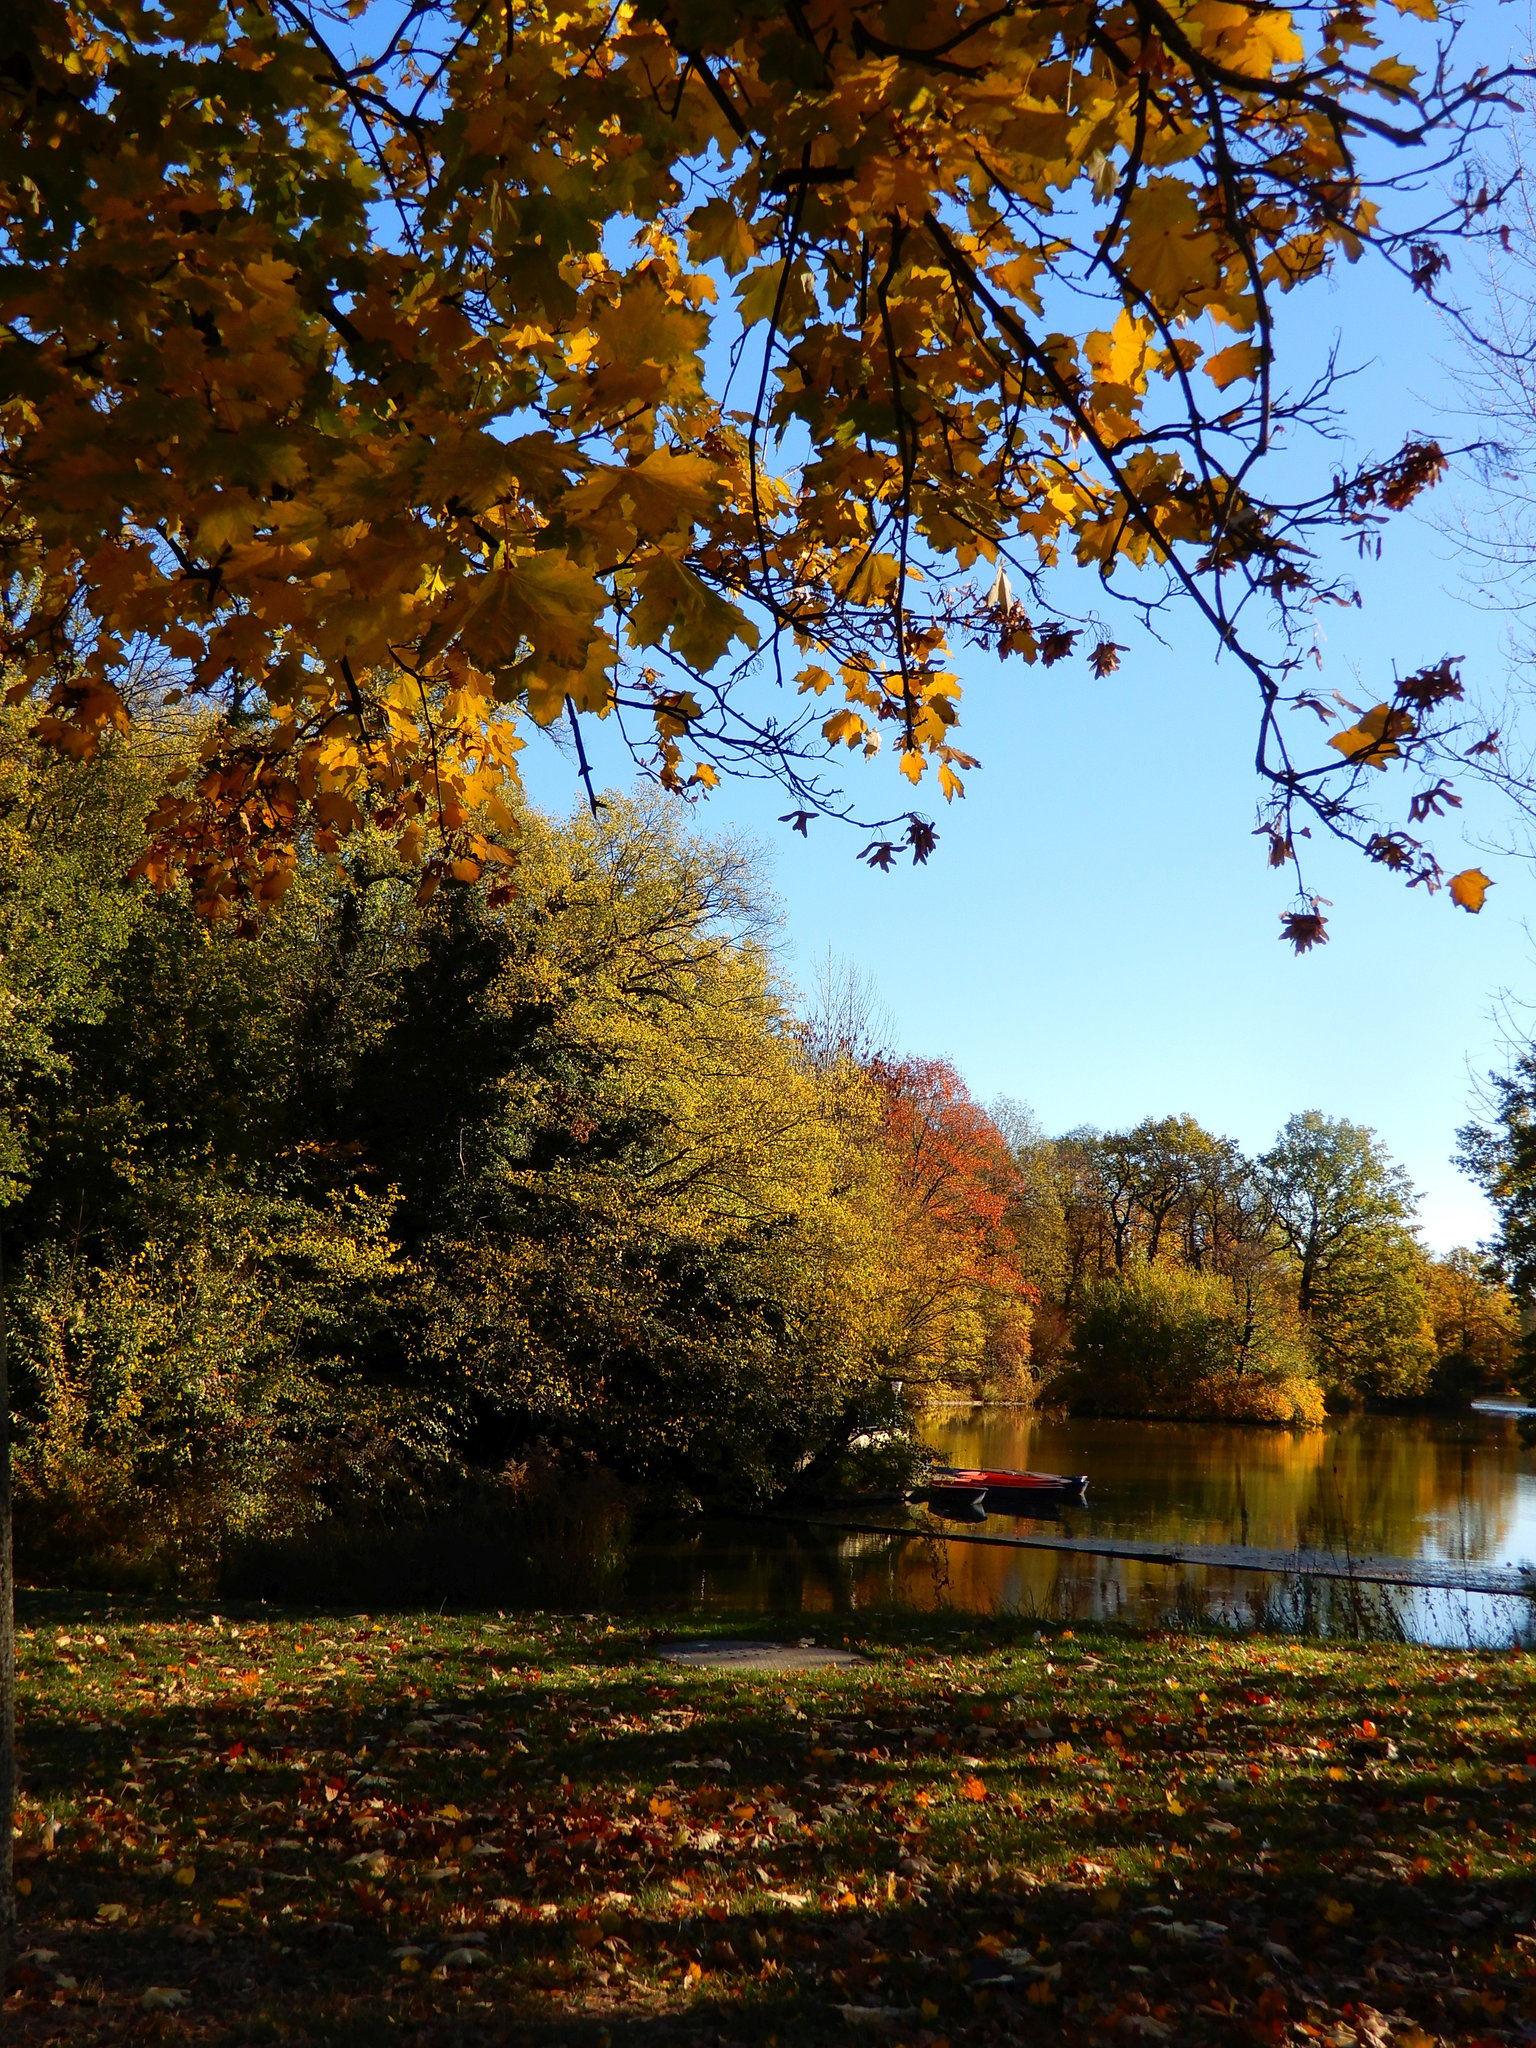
(1469, 888)
(973, 1788)
(1242, 359)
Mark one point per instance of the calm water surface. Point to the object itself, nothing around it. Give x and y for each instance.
(1454, 1488)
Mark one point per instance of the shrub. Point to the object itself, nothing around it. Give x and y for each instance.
(1164, 1340)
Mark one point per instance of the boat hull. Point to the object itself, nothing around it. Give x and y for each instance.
(962, 1491)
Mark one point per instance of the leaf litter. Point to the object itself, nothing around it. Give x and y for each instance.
(281, 1828)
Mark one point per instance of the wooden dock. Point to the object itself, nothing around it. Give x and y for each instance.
(1443, 1575)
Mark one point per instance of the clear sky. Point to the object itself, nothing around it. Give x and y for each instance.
(1097, 932)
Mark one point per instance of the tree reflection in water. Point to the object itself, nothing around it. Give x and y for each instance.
(1457, 1488)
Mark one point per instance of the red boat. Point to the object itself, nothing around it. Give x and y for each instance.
(979, 1490)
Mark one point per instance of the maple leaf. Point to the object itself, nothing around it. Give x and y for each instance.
(1469, 888)
(843, 727)
(1170, 254)
(663, 494)
(675, 604)
(717, 232)
(1373, 742)
(545, 600)
(1119, 356)
(1242, 359)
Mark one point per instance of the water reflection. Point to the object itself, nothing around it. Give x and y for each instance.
(1417, 1487)
(1410, 1487)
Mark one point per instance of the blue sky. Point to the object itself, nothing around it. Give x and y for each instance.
(1097, 933)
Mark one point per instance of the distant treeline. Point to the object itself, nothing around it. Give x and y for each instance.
(392, 1194)
(1174, 1275)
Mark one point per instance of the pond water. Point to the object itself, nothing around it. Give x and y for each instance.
(1455, 1488)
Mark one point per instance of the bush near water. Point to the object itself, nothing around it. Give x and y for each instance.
(349, 1216)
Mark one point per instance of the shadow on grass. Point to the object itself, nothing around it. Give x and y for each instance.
(537, 1822)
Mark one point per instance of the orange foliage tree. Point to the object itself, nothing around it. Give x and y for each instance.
(963, 1304)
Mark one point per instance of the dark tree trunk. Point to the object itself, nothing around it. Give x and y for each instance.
(7, 1660)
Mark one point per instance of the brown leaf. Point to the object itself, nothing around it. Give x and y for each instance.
(1304, 929)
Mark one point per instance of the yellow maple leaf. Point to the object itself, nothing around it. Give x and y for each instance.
(1119, 356)
(665, 493)
(717, 232)
(1373, 742)
(1394, 75)
(544, 599)
(1469, 888)
(1169, 254)
(674, 602)
(758, 293)
(1242, 359)
(1245, 39)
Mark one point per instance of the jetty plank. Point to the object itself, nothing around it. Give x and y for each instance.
(1450, 1575)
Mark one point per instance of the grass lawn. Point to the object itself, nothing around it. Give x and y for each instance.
(461, 1830)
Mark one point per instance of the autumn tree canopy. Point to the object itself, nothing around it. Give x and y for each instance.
(374, 380)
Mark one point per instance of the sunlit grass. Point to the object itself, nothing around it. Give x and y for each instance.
(317, 1828)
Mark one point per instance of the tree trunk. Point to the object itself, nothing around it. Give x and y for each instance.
(7, 1660)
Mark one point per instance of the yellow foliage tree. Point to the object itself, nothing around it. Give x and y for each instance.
(358, 378)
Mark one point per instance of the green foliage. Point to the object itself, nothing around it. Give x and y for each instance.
(1500, 1155)
(340, 1217)
(63, 921)
(1168, 1340)
(1345, 1213)
(191, 1394)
